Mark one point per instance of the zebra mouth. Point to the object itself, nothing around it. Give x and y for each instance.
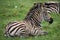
(51, 20)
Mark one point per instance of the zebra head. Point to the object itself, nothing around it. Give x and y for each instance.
(46, 16)
(43, 13)
(52, 7)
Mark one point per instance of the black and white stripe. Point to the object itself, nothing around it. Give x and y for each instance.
(14, 29)
(52, 7)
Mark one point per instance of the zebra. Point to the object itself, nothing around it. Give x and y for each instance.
(31, 24)
(52, 7)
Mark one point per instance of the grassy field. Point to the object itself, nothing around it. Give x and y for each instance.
(16, 10)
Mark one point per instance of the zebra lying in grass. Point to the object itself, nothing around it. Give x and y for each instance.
(30, 26)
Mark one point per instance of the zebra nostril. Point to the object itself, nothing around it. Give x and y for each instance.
(51, 20)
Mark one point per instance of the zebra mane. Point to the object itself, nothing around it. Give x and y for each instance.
(30, 16)
(30, 13)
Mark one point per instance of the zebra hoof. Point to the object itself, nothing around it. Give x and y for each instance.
(45, 33)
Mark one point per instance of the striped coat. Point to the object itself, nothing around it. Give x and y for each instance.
(22, 29)
(52, 7)
(30, 26)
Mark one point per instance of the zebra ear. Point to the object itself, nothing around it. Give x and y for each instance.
(35, 3)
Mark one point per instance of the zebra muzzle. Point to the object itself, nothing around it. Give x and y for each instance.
(51, 20)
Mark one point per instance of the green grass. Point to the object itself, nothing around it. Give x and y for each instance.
(16, 10)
